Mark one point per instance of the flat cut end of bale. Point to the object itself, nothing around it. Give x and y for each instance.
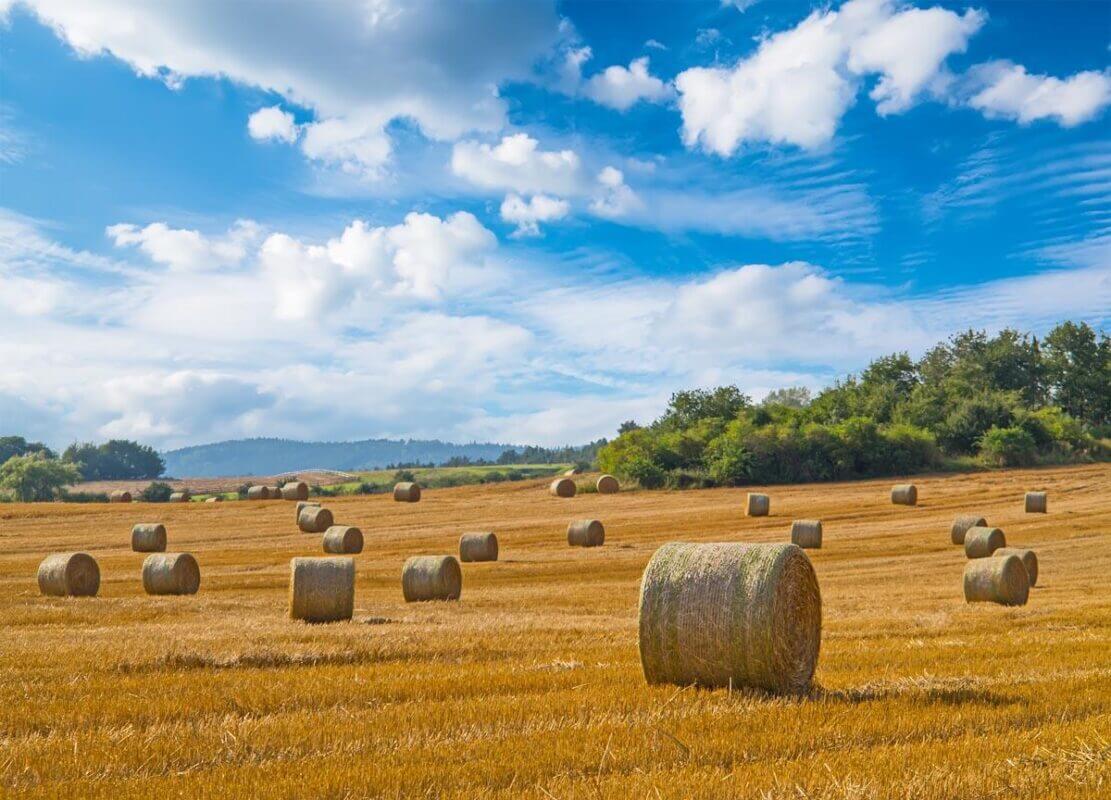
(321, 589)
(1037, 503)
(997, 580)
(431, 578)
(258, 493)
(180, 497)
(962, 524)
(586, 533)
(315, 519)
(982, 541)
(563, 487)
(69, 575)
(343, 539)
(607, 484)
(148, 537)
(807, 533)
(407, 492)
(298, 490)
(1028, 558)
(758, 505)
(478, 546)
(904, 494)
(171, 573)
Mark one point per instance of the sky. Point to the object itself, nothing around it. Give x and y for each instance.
(524, 221)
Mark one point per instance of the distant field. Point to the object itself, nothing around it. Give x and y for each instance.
(531, 686)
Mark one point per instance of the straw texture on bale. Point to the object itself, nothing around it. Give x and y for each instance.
(275, 492)
(407, 492)
(298, 490)
(315, 519)
(563, 487)
(981, 541)
(431, 578)
(69, 575)
(758, 505)
(478, 547)
(343, 539)
(586, 533)
(1028, 557)
(148, 537)
(171, 573)
(997, 580)
(1036, 503)
(179, 497)
(305, 504)
(962, 524)
(321, 589)
(807, 533)
(120, 496)
(258, 493)
(730, 614)
(607, 484)
(904, 494)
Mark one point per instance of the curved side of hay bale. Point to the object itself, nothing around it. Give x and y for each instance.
(298, 490)
(607, 484)
(275, 492)
(1037, 502)
(997, 580)
(586, 533)
(1028, 557)
(563, 487)
(179, 497)
(807, 533)
(258, 493)
(758, 505)
(431, 578)
(321, 589)
(148, 537)
(343, 539)
(981, 542)
(315, 519)
(216, 499)
(478, 546)
(171, 573)
(407, 492)
(961, 525)
(120, 496)
(305, 504)
(904, 494)
(69, 575)
(730, 614)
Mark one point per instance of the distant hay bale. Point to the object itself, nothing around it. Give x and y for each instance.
(586, 533)
(321, 589)
(171, 573)
(297, 490)
(258, 493)
(1036, 503)
(315, 519)
(431, 578)
(216, 499)
(563, 487)
(343, 539)
(962, 524)
(275, 492)
(904, 494)
(180, 497)
(573, 471)
(120, 496)
(607, 484)
(997, 580)
(69, 575)
(982, 541)
(730, 614)
(407, 492)
(148, 537)
(807, 533)
(1028, 557)
(758, 505)
(481, 546)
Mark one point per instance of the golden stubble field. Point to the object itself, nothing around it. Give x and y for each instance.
(531, 685)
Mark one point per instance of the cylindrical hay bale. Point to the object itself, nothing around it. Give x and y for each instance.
(758, 505)
(148, 537)
(607, 484)
(563, 487)
(216, 499)
(120, 496)
(730, 614)
(478, 547)
(321, 589)
(171, 573)
(406, 492)
(981, 542)
(275, 492)
(904, 494)
(586, 533)
(807, 533)
(1036, 503)
(258, 493)
(573, 471)
(69, 575)
(179, 497)
(305, 504)
(298, 490)
(315, 519)
(1028, 557)
(997, 580)
(962, 524)
(431, 578)
(343, 539)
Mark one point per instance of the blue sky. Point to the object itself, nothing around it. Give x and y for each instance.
(524, 221)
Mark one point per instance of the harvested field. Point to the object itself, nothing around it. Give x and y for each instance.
(531, 686)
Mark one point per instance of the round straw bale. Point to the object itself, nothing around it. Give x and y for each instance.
(120, 496)
(982, 541)
(305, 504)
(69, 575)
(275, 492)
(216, 499)
(607, 484)
(758, 505)
(321, 589)
(573, 471)
(586, 533)
(171, 573)
(148, 537)
(1036, 503)
(341, 539)
(478, 547)
(904, 494)
(1028, 557)
(997, 580)
(297, 490)
(563, 487)
(962, 524)
(315, 519)
(179, 497)
(807, 533)
(730, 614)
(431, 578)
(407, 492)
(258, 493)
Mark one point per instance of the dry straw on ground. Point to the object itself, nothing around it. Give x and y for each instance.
(1037, 502)
(171, 573)
(258, 493)
(148, 537)
(730, 615)
(69, 575)
(478, 546)
(961, 525)
(586, 533)
(982, 541)
(807, 533)
(431, 578)
(904, 494)
(758, 505)
(321, 589)
(407, 492)
(295, 490)
(343, 539)
(563, 487)
(315, 519)
(120, 496)
(1028, 557)
(607, 484)
(180, 497)
(997, 580)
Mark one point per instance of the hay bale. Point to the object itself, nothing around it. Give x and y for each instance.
(997, 580)
(69, 575)
(148, 537)
(171, 573)
(275, 492)
(297, 490)
(563, 487)
(478, 547)
(258, 493)
(807, 533)
(607, 484)
(758, 505)
(315, 519)
(981, 541)
(305, 504)
(586, 533)
(407, 492)
(1036, 503)
(216, 499)
(120, 496)
(730, 614)
(573, 471)
(180, 497)
(343, 539)
(321, 589)
(904, 494)
(431, 578)
(962, 524)
(1028, 557)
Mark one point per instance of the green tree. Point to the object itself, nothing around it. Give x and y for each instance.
(790, 396)
(18, 446)
(1008, 447)
(35, 477)
(687, 407)
(156, 492)
(117, 459)
(1078, 372)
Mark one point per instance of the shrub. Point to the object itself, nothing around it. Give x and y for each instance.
(157, 492)
(82, 497)
(1008, 447)
(644, 472)
(728, 462)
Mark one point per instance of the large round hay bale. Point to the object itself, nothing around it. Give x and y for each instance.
(297, 490)
(69, 575)
(275, 492)
(730, 614)
(904, 494)
(321, 589)
(982, 541)
(807, 533)
(171, 573)
(1028, 557)
(180, 497)
(758, 505)
(304, 504)
(120, 496)
(431, 578)
(258, 493)
(1037, 503)
(343, 539)
(586, 533)
(481, 546)
(407, 492)
(607, 484)
(996, 580)
(563, 487)
(962, 524)
(315, 519)
(148, 537)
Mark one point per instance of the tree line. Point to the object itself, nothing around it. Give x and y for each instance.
(31, 471)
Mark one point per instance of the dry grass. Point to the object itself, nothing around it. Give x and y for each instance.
(531, 685)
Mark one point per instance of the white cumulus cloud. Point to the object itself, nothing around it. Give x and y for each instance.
(528, 214)
(518, 164)
(1003, 89)
(272, 123)
(187, 250)
(621, 88)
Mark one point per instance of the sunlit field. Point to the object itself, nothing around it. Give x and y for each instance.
(531, 685)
